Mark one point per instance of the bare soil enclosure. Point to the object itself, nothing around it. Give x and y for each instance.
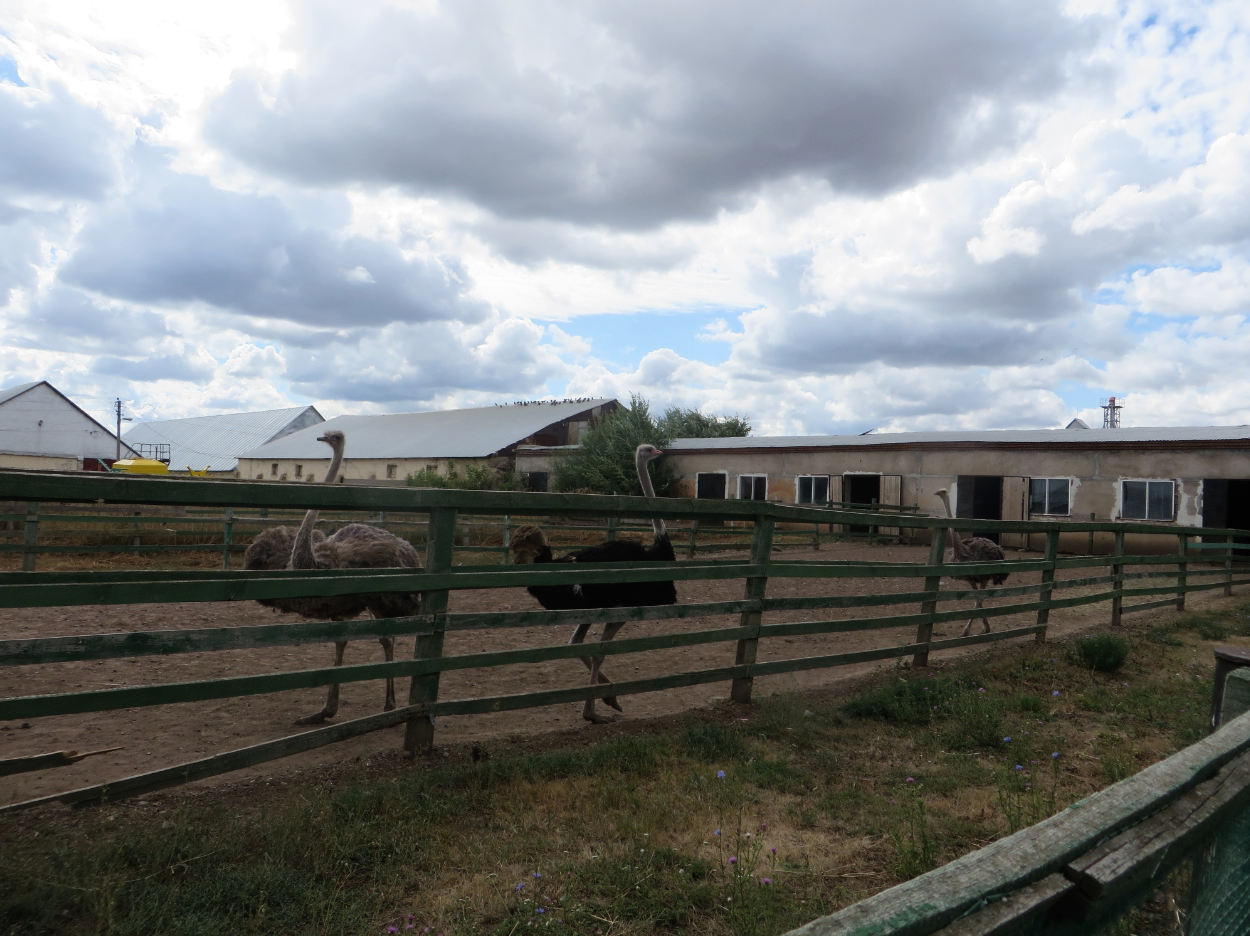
(161, 736)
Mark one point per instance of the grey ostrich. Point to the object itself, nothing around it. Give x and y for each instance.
(529, 545)
(973, 549)
(355, 546)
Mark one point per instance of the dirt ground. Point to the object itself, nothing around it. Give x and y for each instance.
(161, 736)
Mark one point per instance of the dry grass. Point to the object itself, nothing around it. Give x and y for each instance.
(623, 831)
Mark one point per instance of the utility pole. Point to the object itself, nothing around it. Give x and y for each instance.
(117, 410)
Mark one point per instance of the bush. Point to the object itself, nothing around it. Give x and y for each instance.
(1105, 653)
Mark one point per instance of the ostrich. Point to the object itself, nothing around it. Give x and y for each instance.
(973, 549)
(530, 545)
(355, 546)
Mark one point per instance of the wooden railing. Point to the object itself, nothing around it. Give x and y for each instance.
(751, 620)
(1075, 872)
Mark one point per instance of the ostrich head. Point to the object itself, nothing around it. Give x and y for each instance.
(526, 543)
(647, 452)
(332, 437)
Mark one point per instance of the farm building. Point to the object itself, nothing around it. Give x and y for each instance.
(1193, 476)
(41, 428)
(393, 446)
(213, 444)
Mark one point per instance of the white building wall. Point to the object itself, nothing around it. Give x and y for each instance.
(41, 422)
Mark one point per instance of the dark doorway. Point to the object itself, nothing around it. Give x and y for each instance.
(711, 485)
(861, 490)
(979, 497)
(1226, 504)
(536, 481)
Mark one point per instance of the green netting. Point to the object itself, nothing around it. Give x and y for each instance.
(1222, 897)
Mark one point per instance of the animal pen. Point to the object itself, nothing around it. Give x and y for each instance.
(760, 627)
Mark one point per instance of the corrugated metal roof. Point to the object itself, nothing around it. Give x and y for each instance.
(990, 436)
(464, 433)
(216, 442)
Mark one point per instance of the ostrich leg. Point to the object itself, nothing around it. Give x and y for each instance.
(332, 694)
(984, 620)
(388, 649)
(596, 675)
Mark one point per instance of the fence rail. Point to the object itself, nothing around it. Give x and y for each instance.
(1077, 871)
(757, 618)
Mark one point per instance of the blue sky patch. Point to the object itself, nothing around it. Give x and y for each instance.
(8, 72)
(625, 339)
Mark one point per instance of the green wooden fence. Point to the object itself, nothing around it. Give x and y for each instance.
(1082, 869)
(752, 618)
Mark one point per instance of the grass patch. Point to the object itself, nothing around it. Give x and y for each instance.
(734, 821)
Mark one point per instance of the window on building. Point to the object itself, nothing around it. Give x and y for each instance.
(392, 471)
(811, 489)
(299, 471)
(752, 487)
(1147, 500)
(273, 469)
(1049, 496)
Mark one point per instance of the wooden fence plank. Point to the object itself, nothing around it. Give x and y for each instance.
(925, 904)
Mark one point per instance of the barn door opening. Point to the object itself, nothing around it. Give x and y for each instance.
(711, 485)
(861, 491)
(1226, 504)
(979, 497)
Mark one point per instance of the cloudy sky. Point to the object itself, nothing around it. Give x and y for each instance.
(824, 217)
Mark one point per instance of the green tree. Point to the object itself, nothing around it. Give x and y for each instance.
(680, 423)
(604, 462)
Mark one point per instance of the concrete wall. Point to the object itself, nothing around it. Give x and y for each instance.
(39, 462)
(1095, 475)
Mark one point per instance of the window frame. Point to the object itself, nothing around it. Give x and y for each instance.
(1146, 517)
(811, 494)
(754, 479)
(1047, 511)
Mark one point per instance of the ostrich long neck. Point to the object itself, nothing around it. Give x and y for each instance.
(644, 478)
(957, 545)
(301, 550)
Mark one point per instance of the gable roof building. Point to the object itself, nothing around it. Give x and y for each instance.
(389, 447)
(214, 443)
(41, 428)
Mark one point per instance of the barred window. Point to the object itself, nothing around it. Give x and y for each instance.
(1148, 500)
(812, 489)
(1049, 496)
(752, 487)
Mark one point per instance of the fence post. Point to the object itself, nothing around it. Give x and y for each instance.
(226, 536)
(30, 545)
(1182, 571)
(1117, 581)
(1048, 581)
(694, 532)
(419, 733)
(752, 616)
(928, 607)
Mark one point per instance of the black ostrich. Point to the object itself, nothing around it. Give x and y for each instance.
(530, 545)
